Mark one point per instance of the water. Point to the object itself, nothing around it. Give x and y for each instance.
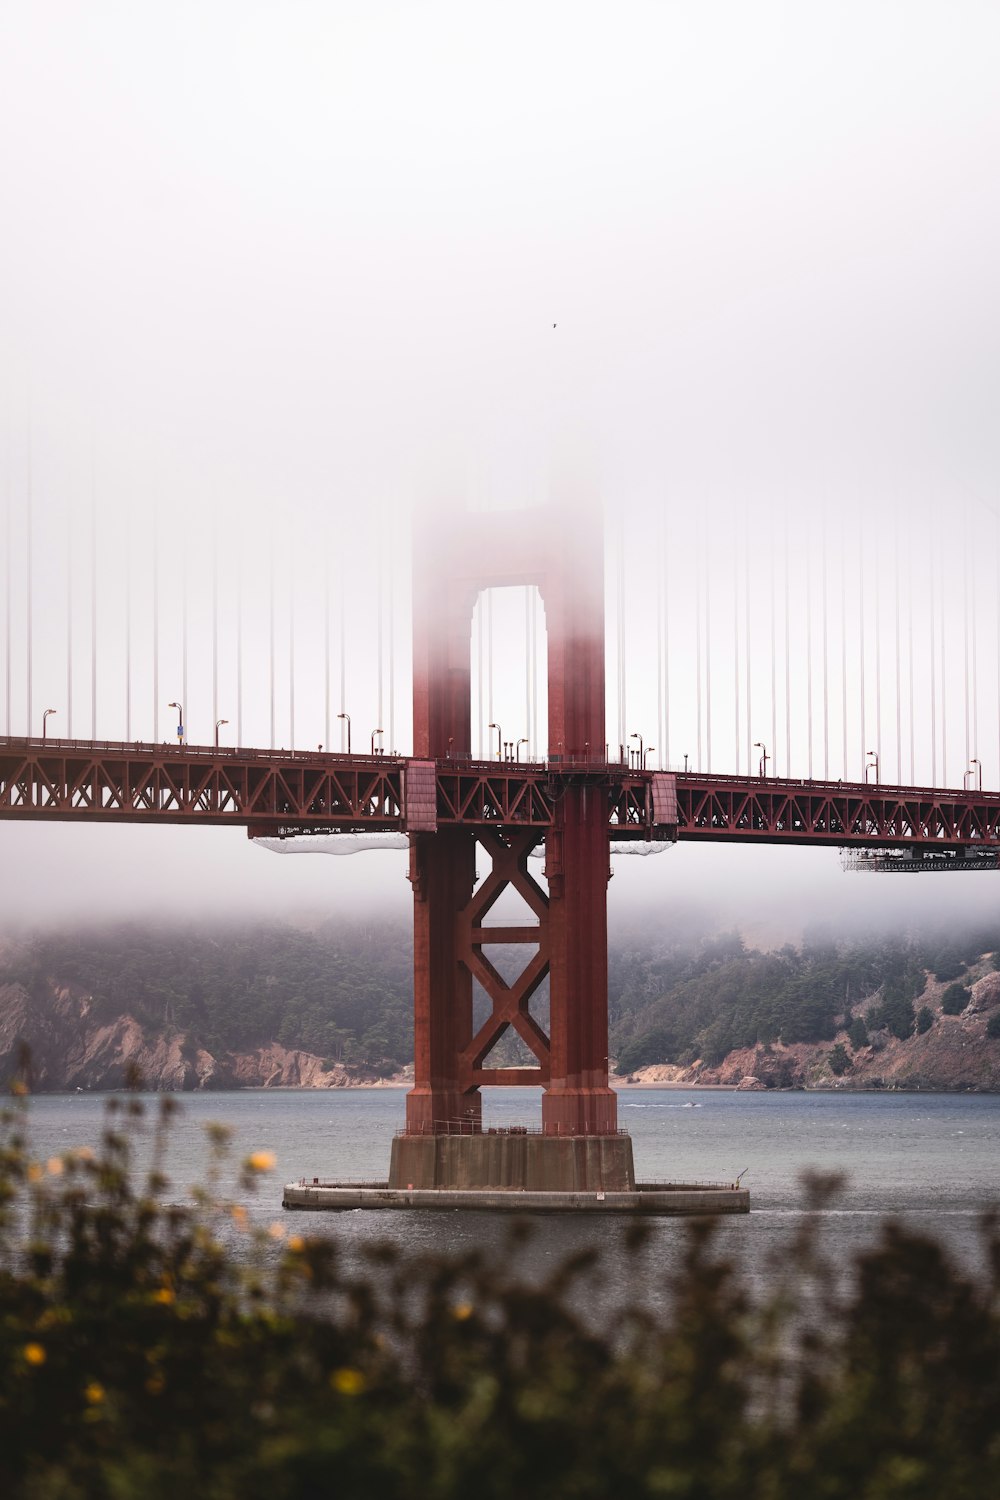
(929, 1159)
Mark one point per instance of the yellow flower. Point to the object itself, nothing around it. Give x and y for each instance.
(262, 1161)
(84, 1153)
(19, 1088)
(276, 1230)
(461, 1311)
(34, 1354)
(93, 1393)
(155, 1384)
(35, 1173)
(239, 1215)
(165, 1296)
(296, 1243)
(348, 1382)
(54, 1166)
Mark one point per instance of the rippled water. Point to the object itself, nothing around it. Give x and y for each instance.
(931, 1159)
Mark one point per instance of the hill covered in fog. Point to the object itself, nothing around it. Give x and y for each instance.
(275, 1004)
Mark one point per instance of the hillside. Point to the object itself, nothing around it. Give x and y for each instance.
(274, 1005)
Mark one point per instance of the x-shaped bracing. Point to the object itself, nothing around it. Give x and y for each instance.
(508, 852)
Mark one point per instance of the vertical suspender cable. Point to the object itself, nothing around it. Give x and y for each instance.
(620, 603)
(28, 600)
(997, 639)
(825, 599)
(843, 641)
(746, 643)
(379, 646)
(878, 662)
(909, 652)
(808, 650)
(93, 592)
(490, 714)
(240, 562)
(270, 631)
(291, 653)
(933, 656)
(899, 663)
(975, 652)
(774, 649)
(698, 625)
(736, 651)
(7, 561)
(69, 620)
(128, 625)
(479, 666)
(666, 650)
(703, 554)
(215, 620)
(156, 619)
(657, 554)
(392, 660)
(527, 668)
(343, 656)
(861, 643)
(326, 644)
(944, 683)
(788, 662)
(535, 731)
(965, 635)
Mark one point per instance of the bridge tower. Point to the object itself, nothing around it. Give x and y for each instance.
(560, 550)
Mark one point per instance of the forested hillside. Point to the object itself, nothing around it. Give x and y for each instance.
(228, 1006)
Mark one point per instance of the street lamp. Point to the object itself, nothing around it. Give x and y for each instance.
(764, 757)
(686, 761)
(45, 716)
(519, 744)
(648, 751)
(374, 733)
(218, 725)
(975, 761)
(499, 740)
(872, 756)
(180, 721)
(642, 760)
(348, 718)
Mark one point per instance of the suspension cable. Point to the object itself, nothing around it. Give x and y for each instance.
(69, 619)
(788, 660)
(933, 656)
(899, 663)
(291, 652)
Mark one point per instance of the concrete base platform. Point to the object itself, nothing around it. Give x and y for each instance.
(675, 1200)
(513, 1160)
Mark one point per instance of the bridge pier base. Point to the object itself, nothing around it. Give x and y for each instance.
(513, 1161)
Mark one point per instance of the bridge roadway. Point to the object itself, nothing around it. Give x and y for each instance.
(284, 793)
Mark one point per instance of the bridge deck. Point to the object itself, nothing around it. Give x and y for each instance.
(280, 792)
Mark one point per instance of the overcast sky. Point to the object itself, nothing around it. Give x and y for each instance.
(270, 274)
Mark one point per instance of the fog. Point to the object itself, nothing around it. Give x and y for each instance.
(271, 277)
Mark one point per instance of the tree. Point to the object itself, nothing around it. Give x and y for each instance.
(993, 1025)
(839, 1060)
(925, 1020)
(955, 998)
(858, 1034)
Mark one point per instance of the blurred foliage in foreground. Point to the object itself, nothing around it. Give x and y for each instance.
(139, 1359)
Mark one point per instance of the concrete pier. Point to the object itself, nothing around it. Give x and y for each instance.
(673, 1200)
(513, 1160)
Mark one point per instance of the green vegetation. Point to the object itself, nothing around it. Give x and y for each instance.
(839, 1060)
(141, 1361)
(679, 1001)
(954, 1000)
(925, 1019)
(993, 1025)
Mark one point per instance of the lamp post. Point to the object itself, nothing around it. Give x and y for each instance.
(374, 733)
(218, 725)
(764, 757)
(45, 716)
(642, 758)
(519, 744)
(872, 756)
(978, 773)
(647, 752)
(499, 740)
(348, 718)
(180, 721)
(686, 761)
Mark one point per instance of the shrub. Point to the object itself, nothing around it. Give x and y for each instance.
(858, 1034)
(140, 1360)
(993, 1025)
(839, 1060)
(925, 1019)
(954, 1000)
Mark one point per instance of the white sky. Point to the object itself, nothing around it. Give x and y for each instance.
(268, 272)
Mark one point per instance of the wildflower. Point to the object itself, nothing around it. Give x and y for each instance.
(165, 1296)
(296, 1243)
(34, 1354)
(54, 1166)
(261, 1161)
(348, 1382)
(276, 1230)
(84, 1153)
(94, 1393)
(155, 1385)
(19, 1088)
(461, 1311)
(35, 1173)
(239, 1215)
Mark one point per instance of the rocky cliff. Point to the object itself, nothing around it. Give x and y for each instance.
(68, 1047)
(955, 1052)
